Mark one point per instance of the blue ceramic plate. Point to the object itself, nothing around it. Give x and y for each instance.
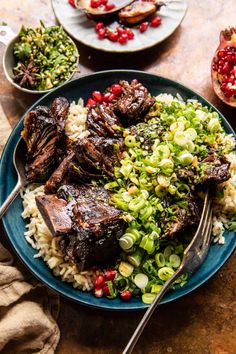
(15, 225)
(79, 27)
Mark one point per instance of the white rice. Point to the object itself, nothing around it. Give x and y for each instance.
(76, 122)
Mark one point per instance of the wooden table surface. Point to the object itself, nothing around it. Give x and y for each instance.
(203, 322)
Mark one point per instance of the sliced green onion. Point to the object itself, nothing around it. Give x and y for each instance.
(125, 269)
(174, 260)
(156, 288)
(166, 166)
(185, 158)
(191, 133)
(137, 203)
(165, 273)
(135, 258)
(160, 259)
(214, 125)
(168, 251)
(130, 141)
(148, 298)
(141, 280)
(180, 138)
(160, 191)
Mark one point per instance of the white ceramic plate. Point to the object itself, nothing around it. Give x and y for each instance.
(82, 29)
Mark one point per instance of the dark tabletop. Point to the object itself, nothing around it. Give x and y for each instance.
(204, 322)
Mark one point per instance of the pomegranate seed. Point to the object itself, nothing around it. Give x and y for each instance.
(220, 70)
(98, 292)
(99, 26)
(121, 30)
(90, 102)
(97, 96)
(228, 57)
(214, 67)
(102, 33)
(116, 89)
(225, 68)
(109, 7)
(130, 33)
(221, 53)
(100, 279)
(113, 36)
(104, 2)
(106, 290)
(95, 3)
(134, 82)
(123, 39)
(108, 97)
(143, 27)
(156, 21)
(110, 274)
(126, 295)
(71, 2)
(221, 62)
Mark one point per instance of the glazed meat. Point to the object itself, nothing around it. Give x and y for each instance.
(91, 227)
(134, 103)
(215, 171)
(102, 121)
(186, 218)
(56, 179)
(95, 157)
(98, 227)
(45, 138)
(40, 135)
(138, 11)
(55, 214)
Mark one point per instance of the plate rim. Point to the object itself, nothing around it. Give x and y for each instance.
(140, 305)
(122, 49)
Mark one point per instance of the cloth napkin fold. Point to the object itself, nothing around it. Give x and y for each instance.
(28, 311)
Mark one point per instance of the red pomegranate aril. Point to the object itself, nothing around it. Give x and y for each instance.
(99, 26)
(110, 274)
(221, 53)
(123, 38)
(130, 33)
(126, 295)
(106, 290)
(225, 68)
(156, 21)
(95, 3)
(71, 2)
(90, 102)
(109, 7)
(113, 36)
(228, 57)
(116, 89)
(221, 62)
(97, 96)
(100, 280)
(102, 33)
(214, 67)
(104, 2)
(121, 30)
(98, 292)
(143, 26)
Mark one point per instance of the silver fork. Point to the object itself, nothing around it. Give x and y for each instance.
(194, 255)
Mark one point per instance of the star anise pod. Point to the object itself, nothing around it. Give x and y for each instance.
(25, 75)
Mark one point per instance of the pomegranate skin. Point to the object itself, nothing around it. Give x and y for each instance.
(227, 39)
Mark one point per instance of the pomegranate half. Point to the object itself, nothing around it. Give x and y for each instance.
(223, 67)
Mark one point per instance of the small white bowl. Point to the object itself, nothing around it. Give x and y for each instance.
(9, 38)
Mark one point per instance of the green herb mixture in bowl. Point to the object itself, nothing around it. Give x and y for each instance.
(39, 59)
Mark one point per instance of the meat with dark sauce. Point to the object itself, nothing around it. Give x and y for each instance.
(134, 103)
(89, 225)
(138, 11)
(40, 135)
(103, 122)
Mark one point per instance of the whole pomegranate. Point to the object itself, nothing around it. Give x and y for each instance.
(223, 68)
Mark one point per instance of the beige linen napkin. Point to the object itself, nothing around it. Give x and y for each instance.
(27, 312)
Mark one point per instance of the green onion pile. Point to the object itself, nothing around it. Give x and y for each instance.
(176, 135)
(46, 57)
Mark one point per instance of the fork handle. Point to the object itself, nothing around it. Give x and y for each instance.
(133, 340)
(11, 197)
